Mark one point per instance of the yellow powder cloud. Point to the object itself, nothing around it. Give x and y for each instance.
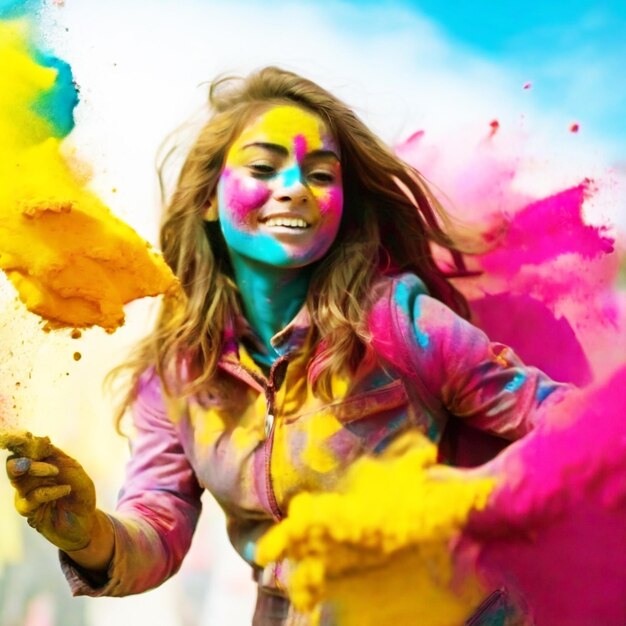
(71, 261)
(377, 551)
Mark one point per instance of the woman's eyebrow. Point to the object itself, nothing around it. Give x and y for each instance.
(322, 153)
(282, 151)
(272, 147)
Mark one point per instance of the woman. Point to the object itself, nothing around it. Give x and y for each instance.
(314, 328)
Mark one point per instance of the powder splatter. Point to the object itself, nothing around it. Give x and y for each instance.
(544, 230)
(77, 356)
(547, 282)
(555, 527)
(354, 554)
(574, 128)
(71, 261)
(552, 346)
(494, 125)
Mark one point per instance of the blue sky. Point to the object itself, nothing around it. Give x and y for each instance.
(446, 68)
(572, 51)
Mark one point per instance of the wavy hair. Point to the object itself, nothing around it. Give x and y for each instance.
(391, 219)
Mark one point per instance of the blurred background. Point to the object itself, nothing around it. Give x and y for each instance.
(544, 83)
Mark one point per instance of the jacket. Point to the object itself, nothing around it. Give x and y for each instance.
(273, 438)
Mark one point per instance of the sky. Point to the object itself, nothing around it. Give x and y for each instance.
(447, 68)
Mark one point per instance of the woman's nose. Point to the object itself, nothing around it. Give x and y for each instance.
(291, 187)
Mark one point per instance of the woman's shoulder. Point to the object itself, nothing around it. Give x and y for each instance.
(403, 311)
(397, 290)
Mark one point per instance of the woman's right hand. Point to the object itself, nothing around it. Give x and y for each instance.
(57, 498)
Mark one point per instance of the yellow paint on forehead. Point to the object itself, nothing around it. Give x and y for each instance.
(281, 125)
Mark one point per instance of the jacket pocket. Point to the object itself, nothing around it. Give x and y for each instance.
(376, 416)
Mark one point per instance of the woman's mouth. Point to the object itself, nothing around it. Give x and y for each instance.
(296, 223)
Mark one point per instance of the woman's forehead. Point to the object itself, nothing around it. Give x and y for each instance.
(287, 125)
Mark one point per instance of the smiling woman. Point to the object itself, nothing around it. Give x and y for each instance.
(280, 196)
(314, 329)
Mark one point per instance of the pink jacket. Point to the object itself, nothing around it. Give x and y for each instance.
(273, 438)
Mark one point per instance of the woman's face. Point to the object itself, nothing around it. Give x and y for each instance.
(280, 194)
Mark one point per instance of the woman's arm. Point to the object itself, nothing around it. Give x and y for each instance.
(158, 507)
(455, 364)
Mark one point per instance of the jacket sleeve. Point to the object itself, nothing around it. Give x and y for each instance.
(456, 366)
(158, 507)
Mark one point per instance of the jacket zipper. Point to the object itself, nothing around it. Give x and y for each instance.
(484, 606)
(270, 394)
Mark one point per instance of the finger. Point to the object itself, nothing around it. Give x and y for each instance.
(29, 504)
(38, 468)
(18, 467)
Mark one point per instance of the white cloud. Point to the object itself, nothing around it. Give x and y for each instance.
(140, 65)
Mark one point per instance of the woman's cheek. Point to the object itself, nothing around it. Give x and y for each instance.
(330, 202)
(240, 196)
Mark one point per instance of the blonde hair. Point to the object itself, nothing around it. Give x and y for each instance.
(390, 220)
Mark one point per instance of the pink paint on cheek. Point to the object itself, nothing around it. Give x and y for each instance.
(299, 147)
(331, 201)
(242, 195)
(555, 530)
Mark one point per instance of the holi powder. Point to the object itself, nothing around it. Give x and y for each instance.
(404, 542)
(350, 558)
(72, 262)
(546, 280)
(555, 527)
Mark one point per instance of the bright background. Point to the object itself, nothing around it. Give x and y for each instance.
(142, 67)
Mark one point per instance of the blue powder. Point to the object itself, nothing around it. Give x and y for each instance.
(57, 104)
(11, 9)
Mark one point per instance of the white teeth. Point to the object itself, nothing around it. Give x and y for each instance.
(291, 222)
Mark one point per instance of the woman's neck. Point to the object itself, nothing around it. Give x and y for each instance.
(271, 296)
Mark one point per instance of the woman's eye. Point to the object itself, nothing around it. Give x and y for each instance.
(261, 169)
(321, 177)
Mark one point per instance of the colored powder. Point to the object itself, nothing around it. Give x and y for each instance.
(547, 283)
(535, 333)
(57, 104)
(555, 226)
(25, 444)
(71, 261)
(555, 526)
(351, 550)
(10, 9)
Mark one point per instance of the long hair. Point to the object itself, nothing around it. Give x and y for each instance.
(391, 219)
